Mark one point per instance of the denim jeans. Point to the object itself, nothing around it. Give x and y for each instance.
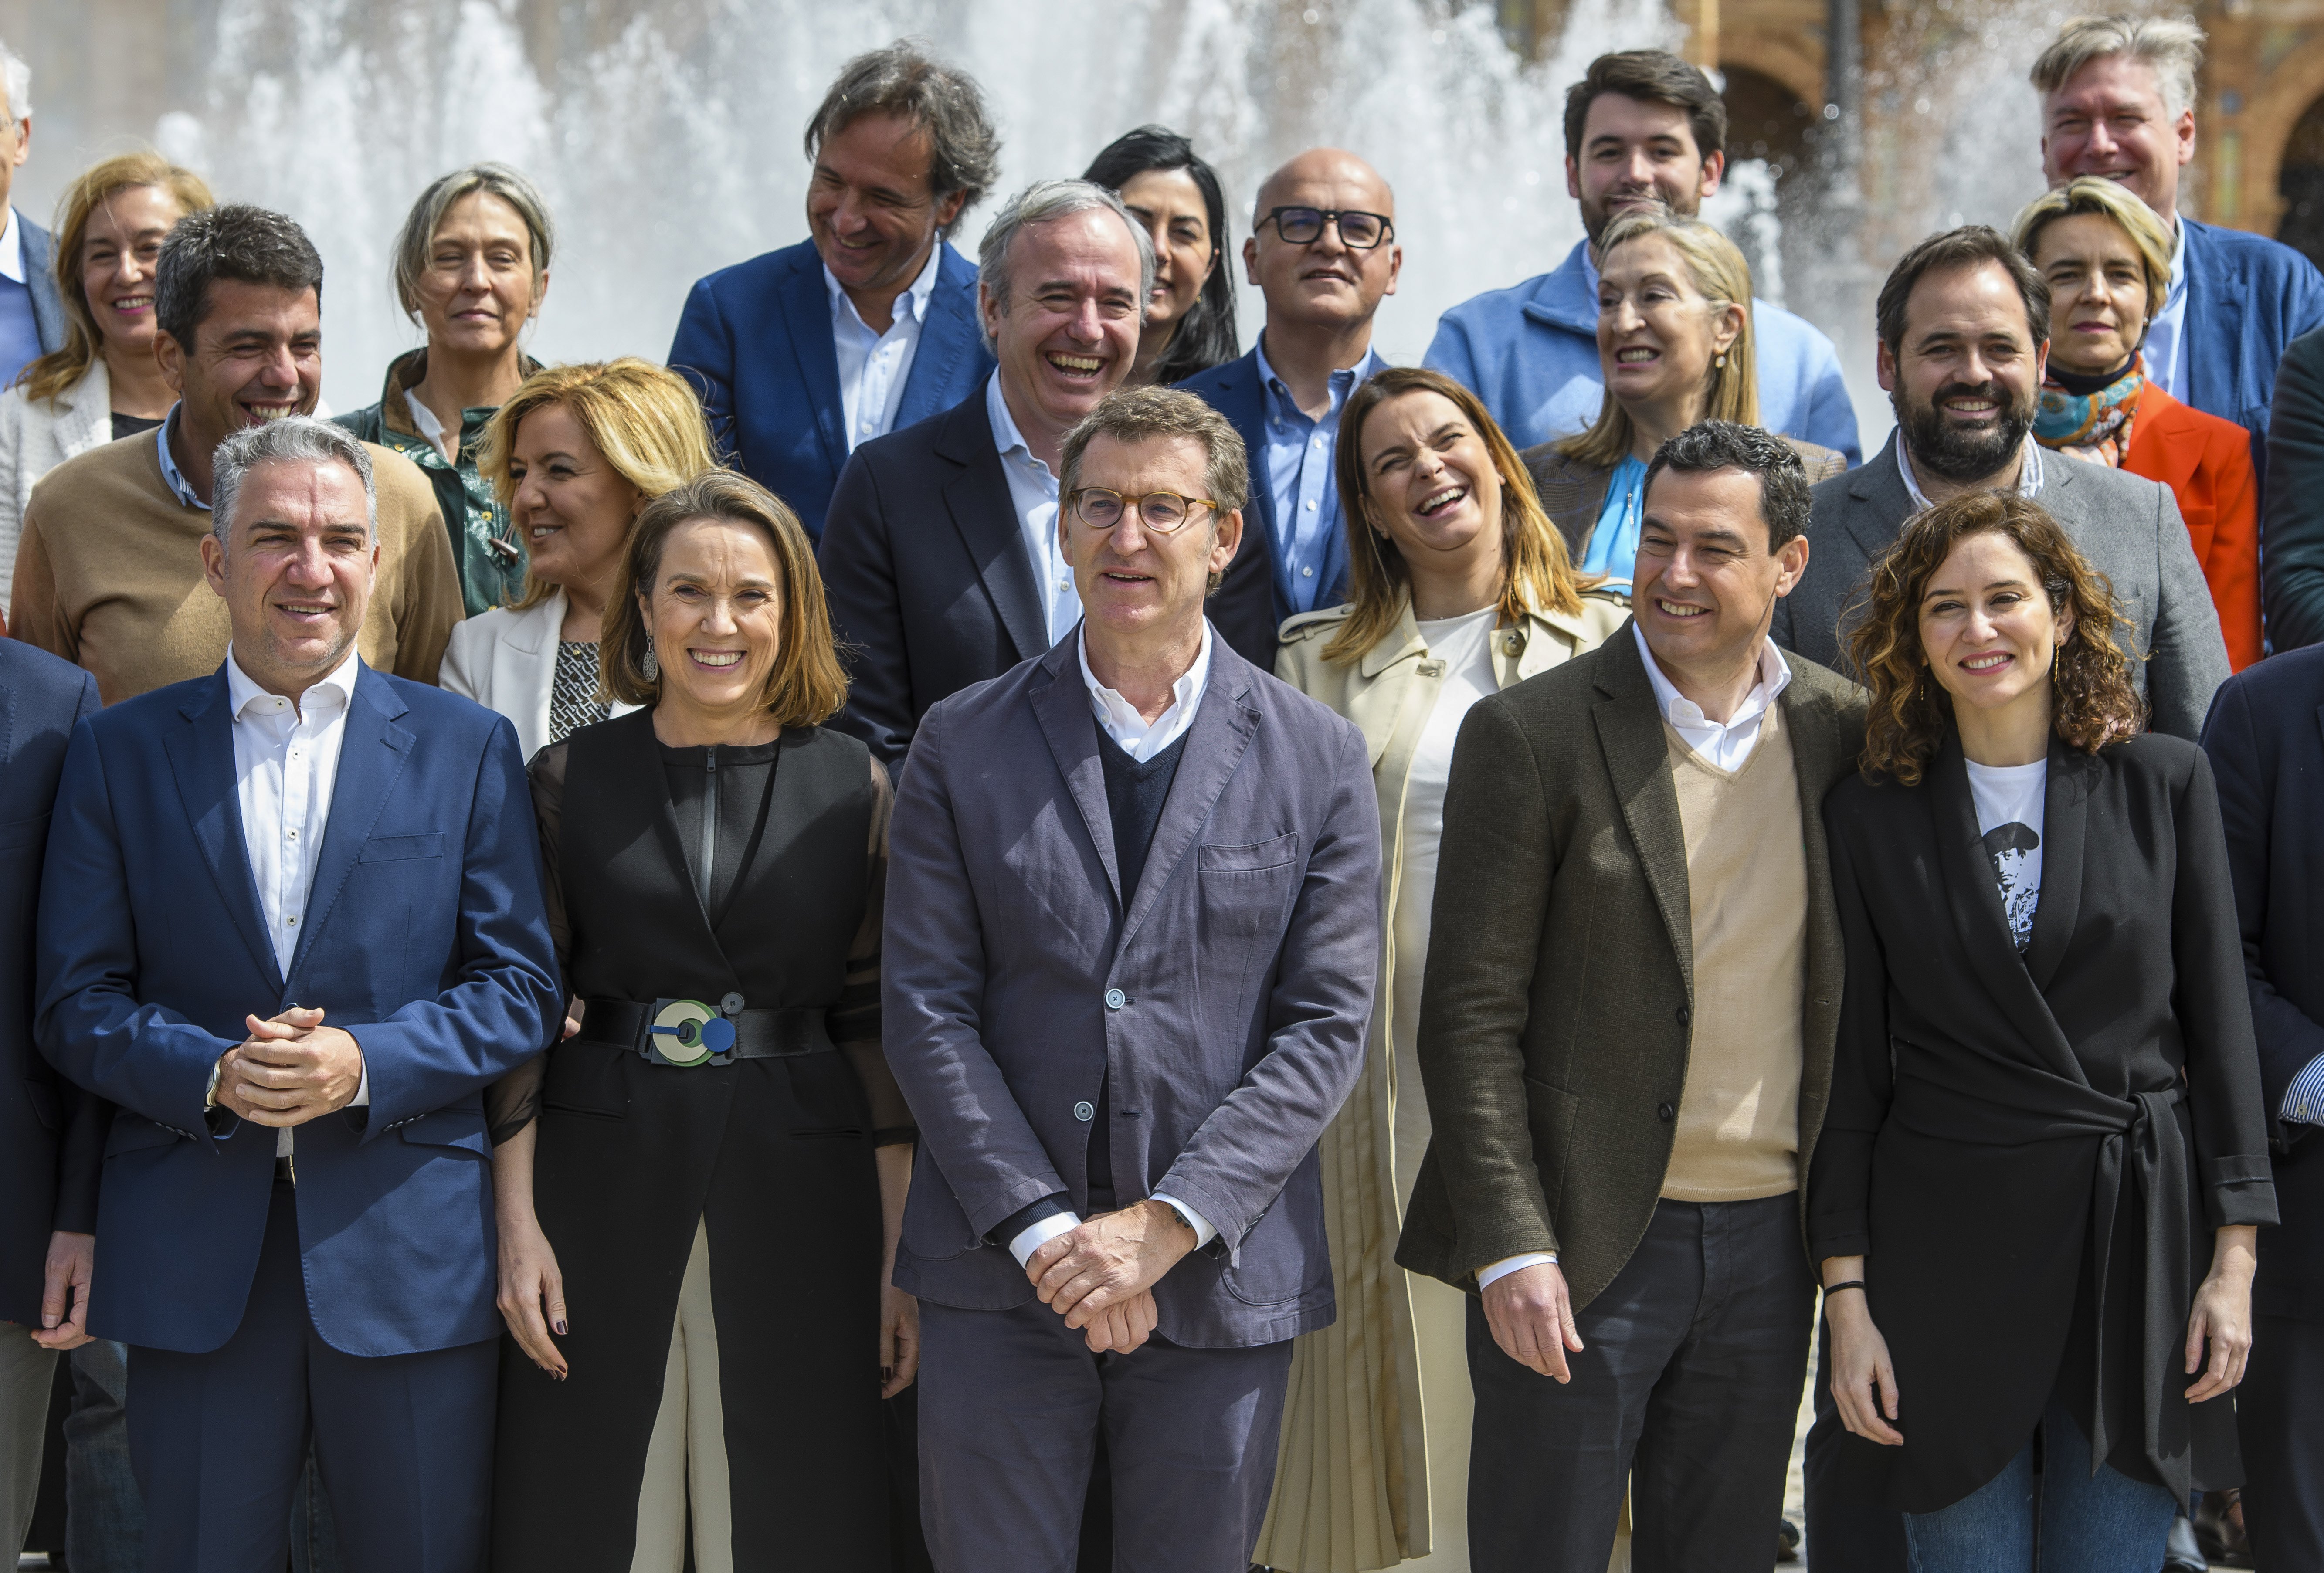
(105, 1516)
(2101, 1523)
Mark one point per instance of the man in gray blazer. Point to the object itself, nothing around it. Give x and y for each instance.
(1132, 925)
(1964, 326)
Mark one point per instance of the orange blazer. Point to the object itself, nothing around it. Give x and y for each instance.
(2207, 463)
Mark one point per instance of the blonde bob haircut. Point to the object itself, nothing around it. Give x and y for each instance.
(2095, 194)
(1537, 573)
(644, 419)
(60, 371)
(806, 685)
(1720, 275)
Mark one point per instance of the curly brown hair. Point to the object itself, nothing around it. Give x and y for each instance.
(2095, 703)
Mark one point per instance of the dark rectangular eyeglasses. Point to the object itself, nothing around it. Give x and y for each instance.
(1305, 227)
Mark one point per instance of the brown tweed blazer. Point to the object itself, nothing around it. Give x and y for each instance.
(1574, 493)
(1554, 1023)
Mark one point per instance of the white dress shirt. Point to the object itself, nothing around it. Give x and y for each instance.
(1141, 739)
(2029, 472)
(872, 366)
(1724, 744)
(12, 250)
(1033, 491)
(286, 762)
(2164, 351)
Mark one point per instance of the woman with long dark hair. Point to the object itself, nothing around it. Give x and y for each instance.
(2037, 1192)
(1190, 318)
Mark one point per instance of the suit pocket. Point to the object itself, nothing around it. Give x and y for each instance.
(134, 1133)
(1550, 1116)
(1253, 857)
(592, 1082)
(1246, 892)
(449, 1127)
(47, 1107)
(18, 833)
(397, 847)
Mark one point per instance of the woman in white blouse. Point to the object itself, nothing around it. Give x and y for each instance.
(103, 382)
(573, 456)
(1459, 586)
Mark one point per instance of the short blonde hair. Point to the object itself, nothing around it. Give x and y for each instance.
(644, 419)
(2097, 196)
(2171, 47)
(1723, 279)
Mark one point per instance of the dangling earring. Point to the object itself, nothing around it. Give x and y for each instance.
(651, 665)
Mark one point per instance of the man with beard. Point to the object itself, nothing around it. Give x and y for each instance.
(1643, 128)
(1964, 333)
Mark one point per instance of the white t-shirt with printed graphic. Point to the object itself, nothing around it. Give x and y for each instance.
(2009, 819)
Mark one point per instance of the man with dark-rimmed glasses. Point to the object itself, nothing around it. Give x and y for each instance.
(1325, 254)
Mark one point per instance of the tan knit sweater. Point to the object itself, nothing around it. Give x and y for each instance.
(109, 574)
(1737, 1136)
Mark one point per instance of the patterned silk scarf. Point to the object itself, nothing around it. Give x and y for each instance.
(2089, 418)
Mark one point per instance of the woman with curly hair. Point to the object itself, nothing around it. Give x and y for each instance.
(2046, 1092)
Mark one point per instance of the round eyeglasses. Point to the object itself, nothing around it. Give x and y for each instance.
(1305, 227)
(1103, 508)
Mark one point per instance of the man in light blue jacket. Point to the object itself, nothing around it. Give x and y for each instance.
(1642, 126)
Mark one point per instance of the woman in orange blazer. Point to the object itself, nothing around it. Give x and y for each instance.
(2107, 259)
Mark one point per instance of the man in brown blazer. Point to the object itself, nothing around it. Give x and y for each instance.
(1626, 1040)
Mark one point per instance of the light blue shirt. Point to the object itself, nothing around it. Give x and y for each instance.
(874, 367)
(170, 474)
(2303, 1100)
(2164, 353)
(1033, 490)
(1613, 548)
(1300, 478)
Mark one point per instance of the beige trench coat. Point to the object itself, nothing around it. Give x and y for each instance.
(1352, 1470)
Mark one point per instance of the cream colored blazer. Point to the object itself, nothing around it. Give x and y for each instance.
(506, 661)
(35, 438)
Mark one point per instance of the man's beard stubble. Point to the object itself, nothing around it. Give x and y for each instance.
(1955, 453)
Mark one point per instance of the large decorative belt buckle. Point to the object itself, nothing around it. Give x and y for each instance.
(687, 1033)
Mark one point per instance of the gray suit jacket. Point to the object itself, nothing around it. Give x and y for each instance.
(1226, 1008)
(2127, 527)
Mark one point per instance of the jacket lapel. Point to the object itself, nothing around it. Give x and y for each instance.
(527, 654)
(2215, 316)
(1222, 732)
(985, 513)
(1638, 758)
(1063, 708)
(1883, 502)
(374, 751)
(806, 314)
(2065, 818)
(201, 758)
(951, 334)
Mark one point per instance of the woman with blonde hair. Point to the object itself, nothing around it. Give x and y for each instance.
(573, 456)
(1459, 586)
(1674, 348)
(700, 1189)
(103, 382)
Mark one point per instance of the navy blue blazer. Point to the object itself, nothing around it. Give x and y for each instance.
(426, 937)
(756, 339)
(2247, 298)
(2265, 738)
(1249, 607)
(51, 1134)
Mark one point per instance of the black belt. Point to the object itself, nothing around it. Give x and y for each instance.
(686, 1032)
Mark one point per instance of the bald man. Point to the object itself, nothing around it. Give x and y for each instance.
(1323, 253)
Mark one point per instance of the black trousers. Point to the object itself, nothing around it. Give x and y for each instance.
(1848, 1526)
(2280, 1420)
(1686, 1388)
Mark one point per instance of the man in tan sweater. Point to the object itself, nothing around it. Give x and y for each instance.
(1625, 1039)
(109, 568)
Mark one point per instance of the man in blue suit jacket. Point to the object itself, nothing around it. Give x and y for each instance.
(291, 924)
(803, 354)
(1642, 126)
(31, 314)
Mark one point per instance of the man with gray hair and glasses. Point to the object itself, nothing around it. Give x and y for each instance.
(31, 315)
(941, 556)
(806, 354)
(291, 924)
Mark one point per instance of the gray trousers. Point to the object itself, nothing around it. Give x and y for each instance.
(26, 1374)
(1011, 1406)
(1687, 1387)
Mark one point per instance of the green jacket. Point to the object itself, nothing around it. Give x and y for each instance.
(486, 549)
(1555, 1018)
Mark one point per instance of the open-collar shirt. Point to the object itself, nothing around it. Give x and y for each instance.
(872, 366)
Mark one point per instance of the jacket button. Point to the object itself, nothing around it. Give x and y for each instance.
(1685, 1015)
(1664, 1111)
(1084, 1111)
(730, 1004)
(1114, 1000)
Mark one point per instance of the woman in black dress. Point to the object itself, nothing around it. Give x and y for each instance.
(2036, 1192)
(699, 1189)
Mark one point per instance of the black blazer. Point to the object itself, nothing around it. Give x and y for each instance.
(1984, 1109)
(924, 565)
(2265, 739)
(51, 1134)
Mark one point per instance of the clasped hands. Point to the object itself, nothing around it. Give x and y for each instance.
(1099, 1274)
(291, 1068)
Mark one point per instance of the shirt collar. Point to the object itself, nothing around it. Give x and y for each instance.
(170, 475)
(1119, 715)
(335, 690)
(2029, 472)
(914, 299)
(1775, 677)
(1014, 448)
(1343, 381)
(12, 249)
(2171, 298)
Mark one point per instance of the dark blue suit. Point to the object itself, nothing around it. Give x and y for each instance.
(1250, 606)
(2247, 298)
(756, 339)
(2265, 738)
(361, 1304)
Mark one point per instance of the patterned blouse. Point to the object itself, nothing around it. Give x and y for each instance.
(573, 702)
